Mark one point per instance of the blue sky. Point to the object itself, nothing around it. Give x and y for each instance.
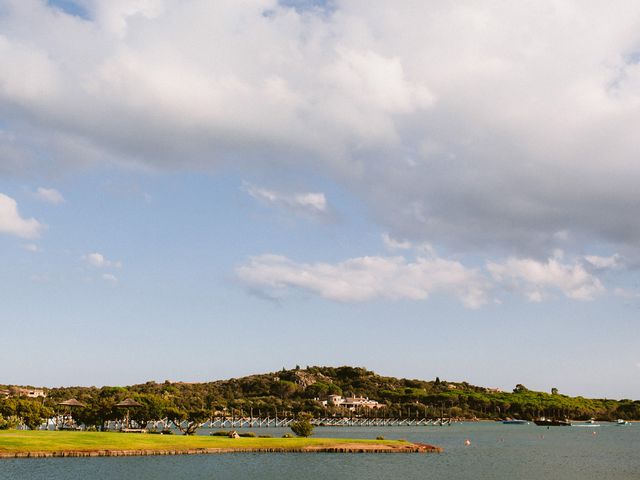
(194, 191)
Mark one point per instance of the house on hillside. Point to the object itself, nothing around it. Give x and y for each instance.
(30, 392)
(350, 403)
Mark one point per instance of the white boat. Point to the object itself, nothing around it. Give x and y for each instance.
(622, 422)
(515, 421)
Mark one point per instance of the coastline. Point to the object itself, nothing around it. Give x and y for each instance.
(40, 444)
(410, 448)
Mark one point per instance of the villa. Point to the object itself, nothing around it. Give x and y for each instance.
(350, 403)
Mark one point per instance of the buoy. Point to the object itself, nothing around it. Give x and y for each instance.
(467, 442)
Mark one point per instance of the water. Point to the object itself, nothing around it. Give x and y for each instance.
(496, 452)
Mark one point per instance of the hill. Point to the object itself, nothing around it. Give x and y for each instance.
(289, 392)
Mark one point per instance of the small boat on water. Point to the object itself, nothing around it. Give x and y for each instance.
(515, 421)
(549, 422)
(589, 423)
(622, 422)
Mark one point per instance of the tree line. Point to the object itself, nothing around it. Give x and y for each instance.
(296, 391)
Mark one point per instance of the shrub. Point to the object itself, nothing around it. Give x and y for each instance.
(379, 437)
(9, 422)
(220, 433)
(248, 434)
(287, 435)
(265, 436)
(302, 427)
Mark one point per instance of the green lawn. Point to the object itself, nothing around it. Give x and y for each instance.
(12, 441)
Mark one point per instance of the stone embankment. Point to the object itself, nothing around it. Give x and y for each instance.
(345, 448)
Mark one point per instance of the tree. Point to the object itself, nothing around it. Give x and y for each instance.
(520, 389)
(303, 427)
(554, 391)
(32, 413)
(193, 416)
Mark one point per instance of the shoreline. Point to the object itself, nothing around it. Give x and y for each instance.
(40, 444)
(345, 448)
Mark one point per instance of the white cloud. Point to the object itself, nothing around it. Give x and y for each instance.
(603, 263)
(99, 261)
(109, 277)
(393, 244)
(471, 140)
(309, 203)
(13, 224)
(367, 278)
(50, 195)
(31, 247)
(537, 279)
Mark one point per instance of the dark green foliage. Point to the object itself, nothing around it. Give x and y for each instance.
(27, 411)
(289, 392)
(7, 423)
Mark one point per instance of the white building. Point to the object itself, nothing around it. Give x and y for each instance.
(350, 403)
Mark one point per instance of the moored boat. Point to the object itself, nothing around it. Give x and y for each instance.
(549, 422)
(622, 422)
(515, 421)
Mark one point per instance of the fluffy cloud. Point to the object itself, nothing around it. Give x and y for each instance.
(314, 204)
(393, 244)
(12, 223)
(99, 261)
(481, 140)
(603, 263)
(367, 278)
(49, 195)
(537, 279)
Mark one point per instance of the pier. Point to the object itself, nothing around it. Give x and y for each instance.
(285, 422)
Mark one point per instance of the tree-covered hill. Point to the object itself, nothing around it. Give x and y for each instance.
(289, 392)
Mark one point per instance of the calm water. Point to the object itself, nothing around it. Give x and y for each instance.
(496, 452)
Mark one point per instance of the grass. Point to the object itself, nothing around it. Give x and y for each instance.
(14, 441)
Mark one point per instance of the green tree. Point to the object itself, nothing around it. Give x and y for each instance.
(193, 416)
(32, 413)
(302, 427)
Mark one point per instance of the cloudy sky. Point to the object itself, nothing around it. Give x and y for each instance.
(195, 190)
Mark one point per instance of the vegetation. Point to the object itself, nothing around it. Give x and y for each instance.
(302, 426)
(290, 392)
(41, 441)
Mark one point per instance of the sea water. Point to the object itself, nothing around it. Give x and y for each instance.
(493, 451)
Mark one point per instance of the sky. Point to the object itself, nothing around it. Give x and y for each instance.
(195, 190)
